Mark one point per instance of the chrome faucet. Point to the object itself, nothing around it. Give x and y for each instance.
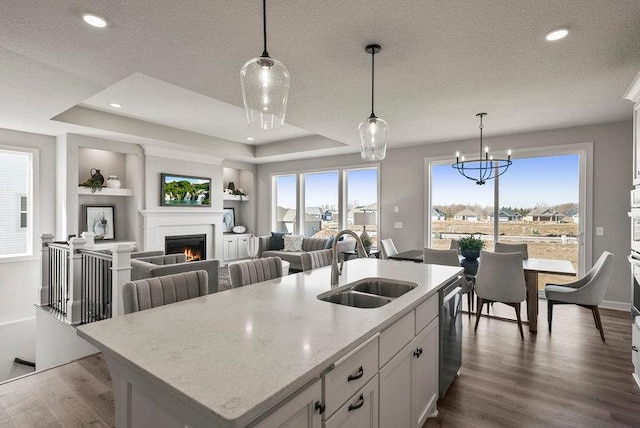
(335, 270)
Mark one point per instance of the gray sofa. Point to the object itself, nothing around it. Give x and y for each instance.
(308, 245)
(161, 265)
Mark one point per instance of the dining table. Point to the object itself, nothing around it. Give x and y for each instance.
(532, 268)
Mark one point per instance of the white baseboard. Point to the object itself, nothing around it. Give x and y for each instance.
(618, 306)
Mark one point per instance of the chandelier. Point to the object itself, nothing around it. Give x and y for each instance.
(265, 86)
(482, 169)
(373, 131)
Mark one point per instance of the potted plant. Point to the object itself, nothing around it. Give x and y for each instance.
(470, 247)
(366, 241)
(93, 183)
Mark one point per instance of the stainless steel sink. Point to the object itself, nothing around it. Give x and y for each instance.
(358, 300)
(368, 292)
(385, 288)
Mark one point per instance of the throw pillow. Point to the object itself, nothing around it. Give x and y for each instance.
(277, 242)
(293, 243)
(329, 242)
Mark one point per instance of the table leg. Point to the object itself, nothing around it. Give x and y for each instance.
(531, 279)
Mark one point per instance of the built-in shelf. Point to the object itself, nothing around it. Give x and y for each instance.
(106, 191)
(226, 197)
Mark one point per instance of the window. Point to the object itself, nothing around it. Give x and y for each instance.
(15, 203)
(284, 218)
(329, 199)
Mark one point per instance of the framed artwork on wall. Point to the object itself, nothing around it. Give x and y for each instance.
(177, 190)
(100, 220)
(228, 219)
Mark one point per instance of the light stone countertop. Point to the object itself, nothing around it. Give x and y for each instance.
(240, 352)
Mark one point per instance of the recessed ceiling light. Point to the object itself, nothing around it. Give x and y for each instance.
(249, 138)
(115, 105)
(558, 34)
(94, 20)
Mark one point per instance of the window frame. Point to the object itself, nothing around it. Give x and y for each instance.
(342, 192)
(32, 205)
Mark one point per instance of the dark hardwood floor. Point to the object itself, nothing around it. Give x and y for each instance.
(567, 379)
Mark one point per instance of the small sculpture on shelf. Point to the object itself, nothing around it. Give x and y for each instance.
(95, 182)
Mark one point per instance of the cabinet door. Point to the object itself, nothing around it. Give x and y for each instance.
(425, 373)
(635, 347)
(395, 390)
(360, 411)
(299, 411)
(636, 143)
(230, 251)
(243, 243)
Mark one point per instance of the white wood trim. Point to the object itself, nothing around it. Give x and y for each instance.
(633, 93)
(106, 191)
(177, 151)
(617, 306)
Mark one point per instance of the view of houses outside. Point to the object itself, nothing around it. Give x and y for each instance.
(15, 170)
(322, 207)
(538, 206)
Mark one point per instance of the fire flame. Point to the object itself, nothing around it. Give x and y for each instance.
(191, 255)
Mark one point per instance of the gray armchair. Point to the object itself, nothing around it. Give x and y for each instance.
(161, 265)
(587, 292)
(153, 292)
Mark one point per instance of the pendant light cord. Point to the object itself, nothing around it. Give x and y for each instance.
(264, 28)
(373, 54)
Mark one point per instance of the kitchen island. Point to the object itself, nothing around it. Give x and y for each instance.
(237, 357)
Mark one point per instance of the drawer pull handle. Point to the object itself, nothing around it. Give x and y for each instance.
(359, 404)
(635, 348)
(417, 352)
(357, 375)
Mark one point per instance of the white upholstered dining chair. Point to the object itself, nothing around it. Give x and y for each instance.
(500, 278)
(450, 258)
(587, 292)
(388, 248)
(501, 247)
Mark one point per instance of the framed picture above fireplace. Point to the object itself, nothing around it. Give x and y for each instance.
(179, 190)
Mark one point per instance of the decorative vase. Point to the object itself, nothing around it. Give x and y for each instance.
(470, 255)
(239, 229)
(113, 182)
(231, 186)
(95, 175)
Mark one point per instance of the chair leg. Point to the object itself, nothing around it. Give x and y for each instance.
(479, 304)
(517, 308)
(469, 303)
(596, 315)
(549, 313)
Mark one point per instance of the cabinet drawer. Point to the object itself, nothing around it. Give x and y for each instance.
(395, 337)
(360, 411)
(426, 312)
(635, 341)
(350, 374)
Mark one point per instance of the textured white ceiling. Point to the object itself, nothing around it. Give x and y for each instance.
(441, 62)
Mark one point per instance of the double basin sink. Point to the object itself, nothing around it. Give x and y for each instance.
(368, 292)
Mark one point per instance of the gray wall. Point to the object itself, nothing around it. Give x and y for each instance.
(402, 185)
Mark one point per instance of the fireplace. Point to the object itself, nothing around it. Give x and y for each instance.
(194, 247)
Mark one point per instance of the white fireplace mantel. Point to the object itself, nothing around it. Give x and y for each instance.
(160, 223)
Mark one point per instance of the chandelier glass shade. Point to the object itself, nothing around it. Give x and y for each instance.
(265, 87)
(373, 132)
(485, 167)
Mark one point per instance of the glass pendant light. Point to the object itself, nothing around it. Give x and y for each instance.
(374, 131)
(265, 87)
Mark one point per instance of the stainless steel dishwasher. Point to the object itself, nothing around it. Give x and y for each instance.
(450, 333)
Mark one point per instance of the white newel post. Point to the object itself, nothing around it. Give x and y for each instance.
(45, 279)
(121, 274)
(74, 308)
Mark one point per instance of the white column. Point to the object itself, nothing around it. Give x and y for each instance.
(74, 307)
(121, 274)
(45, 278)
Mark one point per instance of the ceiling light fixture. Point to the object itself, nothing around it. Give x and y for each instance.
(94, 20)
(374, 131)
(115, 105)
(265, 87)
(481, 170)
(558, 34)
(249, 138)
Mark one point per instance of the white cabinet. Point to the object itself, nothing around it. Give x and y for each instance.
(633, 95)
(235, 247)
(300, 411)
(635, 349)
(409, 382)
(360, 411)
